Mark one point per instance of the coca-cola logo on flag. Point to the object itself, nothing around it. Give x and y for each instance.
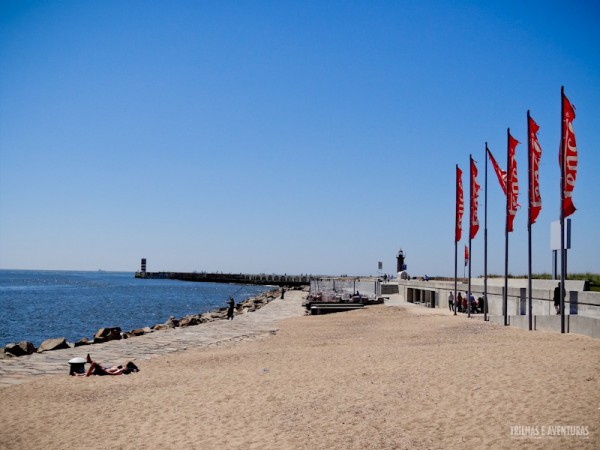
(535, 154)
(474, 203)
(459, 205)
(513, 187)
(570, 159)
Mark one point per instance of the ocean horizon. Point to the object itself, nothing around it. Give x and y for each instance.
(36, 305)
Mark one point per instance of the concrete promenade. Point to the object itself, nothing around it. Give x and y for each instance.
(244, 326)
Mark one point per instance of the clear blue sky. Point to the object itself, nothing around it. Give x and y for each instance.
(285, 136)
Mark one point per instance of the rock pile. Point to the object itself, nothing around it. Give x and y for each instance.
(114, 333)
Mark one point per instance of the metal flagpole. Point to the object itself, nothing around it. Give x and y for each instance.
(562, 209)
(485, 304)
(508, 194)
(455, 272)
(470, 224)
(529, 305)
(455, 241)
(469, 306)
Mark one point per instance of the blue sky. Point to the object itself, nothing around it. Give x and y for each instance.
(286, 137)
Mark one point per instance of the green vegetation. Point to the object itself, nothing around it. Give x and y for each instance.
(593, 278)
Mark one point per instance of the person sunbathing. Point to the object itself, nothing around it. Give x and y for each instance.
(98, 369)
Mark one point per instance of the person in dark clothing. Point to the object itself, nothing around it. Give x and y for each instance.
(479, 306)
(557, 298)
(230, 308)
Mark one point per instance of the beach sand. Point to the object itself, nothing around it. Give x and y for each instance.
(386, 377)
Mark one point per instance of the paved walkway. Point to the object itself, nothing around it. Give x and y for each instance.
(19, 370)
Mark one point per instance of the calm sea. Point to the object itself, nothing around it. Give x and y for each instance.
(37, 305)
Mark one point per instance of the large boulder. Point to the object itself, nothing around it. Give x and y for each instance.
(188, 321)
(218, 315)
(82, 342)
(53, 344)
(21, 349)
(107, 334)
(206, 317)
(172, 322)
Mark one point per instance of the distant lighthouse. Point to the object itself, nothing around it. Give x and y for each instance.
(143, 267)
(400, 261)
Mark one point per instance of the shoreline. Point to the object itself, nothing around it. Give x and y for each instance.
(263, 320)
(387, 376)
(105, 334)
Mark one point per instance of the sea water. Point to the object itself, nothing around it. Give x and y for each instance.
(38, 305)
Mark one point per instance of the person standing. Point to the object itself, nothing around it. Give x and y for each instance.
(450, 300)
(471, 303)
(230, 308)
(459, 302)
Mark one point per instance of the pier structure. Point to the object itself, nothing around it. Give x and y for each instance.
(236, 278)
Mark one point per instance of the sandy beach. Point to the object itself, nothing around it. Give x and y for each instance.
(386, 377)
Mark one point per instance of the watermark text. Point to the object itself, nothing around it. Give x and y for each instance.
(543, 431)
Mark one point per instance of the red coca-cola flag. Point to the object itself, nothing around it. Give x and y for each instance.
(569, 146)
(512, 183)
(474, 196)
(535, 154)
(460, 207)
(466, 256)
(501, 174)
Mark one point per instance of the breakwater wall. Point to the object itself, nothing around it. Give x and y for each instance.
(107, 334)
(236, 278)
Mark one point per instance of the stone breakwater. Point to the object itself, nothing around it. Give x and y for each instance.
(115, 333)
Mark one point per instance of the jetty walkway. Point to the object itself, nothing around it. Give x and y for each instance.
(238, 278)
(244, 326)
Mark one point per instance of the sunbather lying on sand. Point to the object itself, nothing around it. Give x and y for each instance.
(98, 369)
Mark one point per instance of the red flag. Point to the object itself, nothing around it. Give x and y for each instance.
(474, 196)
(503, 179)
(460, 208)
(569, 169)
(501, 174)
(466, 256)
(513, 183)
(535, 153)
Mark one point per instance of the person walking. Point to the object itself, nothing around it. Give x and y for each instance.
(557, 298)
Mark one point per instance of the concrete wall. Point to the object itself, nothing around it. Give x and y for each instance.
(389, 288)
(582, 308)
(572, 285)
(576, 302)
(586, 326)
